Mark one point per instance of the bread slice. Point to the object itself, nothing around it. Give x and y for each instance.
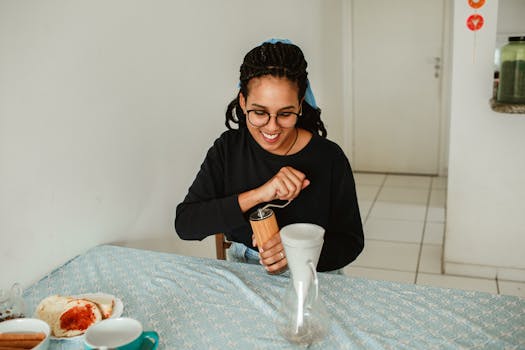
(67, 316)
(50, 308)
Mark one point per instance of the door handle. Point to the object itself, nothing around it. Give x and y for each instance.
(437, 66)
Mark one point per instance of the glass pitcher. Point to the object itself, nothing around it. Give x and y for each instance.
(11, 303)
(303, 319)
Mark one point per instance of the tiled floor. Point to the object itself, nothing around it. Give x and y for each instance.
(404, 223)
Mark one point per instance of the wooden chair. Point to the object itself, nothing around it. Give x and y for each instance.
(221, 245)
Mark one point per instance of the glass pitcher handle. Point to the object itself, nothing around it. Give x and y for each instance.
(314, 275)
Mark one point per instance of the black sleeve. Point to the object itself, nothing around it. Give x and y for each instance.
(344, 238)
(206, 209)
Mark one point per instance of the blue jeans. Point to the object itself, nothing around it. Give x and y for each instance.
(238, 252)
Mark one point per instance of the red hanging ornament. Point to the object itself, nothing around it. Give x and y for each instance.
(476, 4)
(475, 22)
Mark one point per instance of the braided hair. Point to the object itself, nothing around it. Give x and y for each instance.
(278, 60)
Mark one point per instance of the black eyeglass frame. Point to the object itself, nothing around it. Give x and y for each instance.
(269, 115)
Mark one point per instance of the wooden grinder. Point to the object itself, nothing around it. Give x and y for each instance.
(264, 225)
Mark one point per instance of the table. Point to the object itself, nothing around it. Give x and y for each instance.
(198, 303)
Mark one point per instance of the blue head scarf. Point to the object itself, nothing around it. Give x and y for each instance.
(309, 94)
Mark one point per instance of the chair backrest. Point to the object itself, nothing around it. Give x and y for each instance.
(221, 245)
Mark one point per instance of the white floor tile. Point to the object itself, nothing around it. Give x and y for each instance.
(506, 274)
(439, 182)
(394, 230)
(430, 260)
(369, 179)
(398, 211)
(367, 192)
(408, 181)
(434, 232)
(438, 198)
(403, 195)
(388, 255)
(512, 288)
(465, 283)
(378, 274)
(436, 214)
(457, 269)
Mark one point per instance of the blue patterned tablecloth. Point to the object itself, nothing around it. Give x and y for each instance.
(196, 303)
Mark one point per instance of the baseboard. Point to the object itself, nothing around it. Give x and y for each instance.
(492, 272)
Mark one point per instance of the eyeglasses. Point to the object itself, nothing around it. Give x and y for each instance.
(259, 118)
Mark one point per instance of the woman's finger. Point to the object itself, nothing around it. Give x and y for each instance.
(287, 189)
(281, 189)
(274, 262)
(277, 267)
(292, 179)
(295, 185)
(273, 256)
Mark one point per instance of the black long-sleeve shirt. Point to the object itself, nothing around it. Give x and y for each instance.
(237, 163)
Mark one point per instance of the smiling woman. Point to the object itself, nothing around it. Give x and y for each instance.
(278, 152)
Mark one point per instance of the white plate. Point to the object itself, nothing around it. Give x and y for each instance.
(28, 325)
(118, 307)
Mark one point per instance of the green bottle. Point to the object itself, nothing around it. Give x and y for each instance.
(511, 87)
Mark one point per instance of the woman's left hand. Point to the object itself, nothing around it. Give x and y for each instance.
(272, 254)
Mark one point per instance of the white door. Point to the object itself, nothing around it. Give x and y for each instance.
(397, 48)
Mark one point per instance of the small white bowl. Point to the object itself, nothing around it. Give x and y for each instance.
(28, 325)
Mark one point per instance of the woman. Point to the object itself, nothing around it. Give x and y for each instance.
(278, 152)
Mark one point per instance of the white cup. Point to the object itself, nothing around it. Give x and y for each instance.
(119, 333)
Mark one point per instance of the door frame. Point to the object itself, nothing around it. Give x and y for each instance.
(348, 84)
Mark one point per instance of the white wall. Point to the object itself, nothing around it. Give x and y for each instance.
(485, 232)
(108, 107)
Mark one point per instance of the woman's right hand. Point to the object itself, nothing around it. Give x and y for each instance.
(286, 185)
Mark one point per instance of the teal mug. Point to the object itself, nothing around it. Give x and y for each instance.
(119, 333)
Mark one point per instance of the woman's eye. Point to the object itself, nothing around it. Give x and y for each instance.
(261, 113)
(285, 114)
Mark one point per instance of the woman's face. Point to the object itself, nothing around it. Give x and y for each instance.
(273, 95)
